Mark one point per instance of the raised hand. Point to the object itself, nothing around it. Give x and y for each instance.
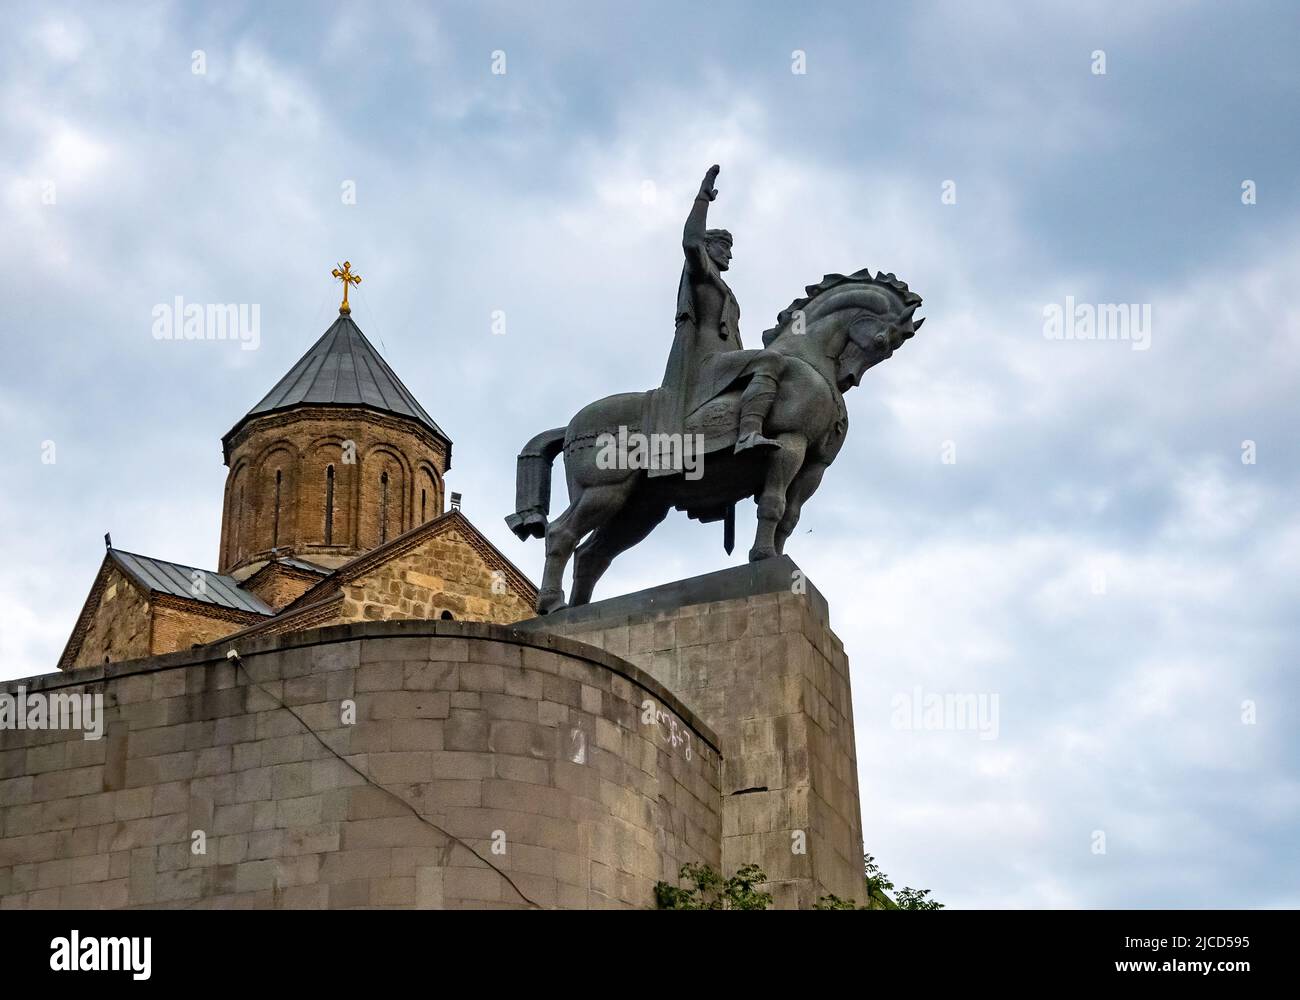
(707, 190)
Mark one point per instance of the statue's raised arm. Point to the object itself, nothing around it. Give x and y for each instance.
(695, 232)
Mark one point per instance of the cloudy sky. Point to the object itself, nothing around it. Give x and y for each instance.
(1104, 538)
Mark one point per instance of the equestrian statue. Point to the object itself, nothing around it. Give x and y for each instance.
(726, 424)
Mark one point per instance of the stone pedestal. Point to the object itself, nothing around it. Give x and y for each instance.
(750, 650)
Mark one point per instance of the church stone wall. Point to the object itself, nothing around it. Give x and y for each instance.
(484, 768)
(125, 624)
(120, 626)
(443, 574)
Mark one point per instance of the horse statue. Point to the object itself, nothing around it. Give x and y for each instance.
(619, 490)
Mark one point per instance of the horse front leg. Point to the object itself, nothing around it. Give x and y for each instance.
(782, 467)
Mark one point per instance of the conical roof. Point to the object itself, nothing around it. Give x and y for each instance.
(342, 369)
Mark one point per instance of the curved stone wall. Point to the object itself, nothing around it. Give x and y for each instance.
(391, 764)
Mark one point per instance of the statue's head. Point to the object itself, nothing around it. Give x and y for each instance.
(718, 244)
(874, 315)
(886, 322)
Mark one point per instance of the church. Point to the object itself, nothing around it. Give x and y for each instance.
(334, 511)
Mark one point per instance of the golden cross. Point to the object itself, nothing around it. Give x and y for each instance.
(345, 275)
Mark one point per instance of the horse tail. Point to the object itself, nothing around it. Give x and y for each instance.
(533, 484)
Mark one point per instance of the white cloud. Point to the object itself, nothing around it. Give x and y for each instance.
(63, 38)
(1118, 711)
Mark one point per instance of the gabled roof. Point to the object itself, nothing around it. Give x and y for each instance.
(343, 369)
(293, 563)
(408, 540)
(169, 579)
(205, 586)
(312, 607)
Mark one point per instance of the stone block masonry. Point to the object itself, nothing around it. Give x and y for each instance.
(482, 768)
(751, 650)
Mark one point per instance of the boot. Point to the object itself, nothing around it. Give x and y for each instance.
(754, 404)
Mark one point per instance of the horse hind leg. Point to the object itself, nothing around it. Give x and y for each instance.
(782, 467)
(628, 527)
(590, 509)
(805, 485)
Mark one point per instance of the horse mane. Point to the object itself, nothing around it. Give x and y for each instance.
(829, 281)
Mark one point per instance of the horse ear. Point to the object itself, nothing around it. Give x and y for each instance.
(917, 325)
(856, 337)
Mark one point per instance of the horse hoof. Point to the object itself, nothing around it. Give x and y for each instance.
(549, 601)
(757, 554)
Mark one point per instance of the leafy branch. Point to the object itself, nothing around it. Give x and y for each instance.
(712, 892)
(878, 886)
(707, 890)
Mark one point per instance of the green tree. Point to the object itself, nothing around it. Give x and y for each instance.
(878, 886)
(833, 902)
(877, 882)
(916, 899)
(710, 891)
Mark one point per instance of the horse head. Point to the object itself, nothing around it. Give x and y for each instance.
(857, 320)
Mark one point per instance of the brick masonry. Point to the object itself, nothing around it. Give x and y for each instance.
(772, 679)
(279, 585)
(466, 736)
(388, 478)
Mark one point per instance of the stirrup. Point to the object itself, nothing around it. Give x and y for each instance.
(754, 439)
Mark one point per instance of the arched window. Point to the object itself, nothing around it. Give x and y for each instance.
(238, 520)
(275, 520)
(383, 508)
(447, 616)
(430, 494)
(329, 505)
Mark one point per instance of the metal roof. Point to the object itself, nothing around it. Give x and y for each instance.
(343, 369)
(303, 564)
(209, 587)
